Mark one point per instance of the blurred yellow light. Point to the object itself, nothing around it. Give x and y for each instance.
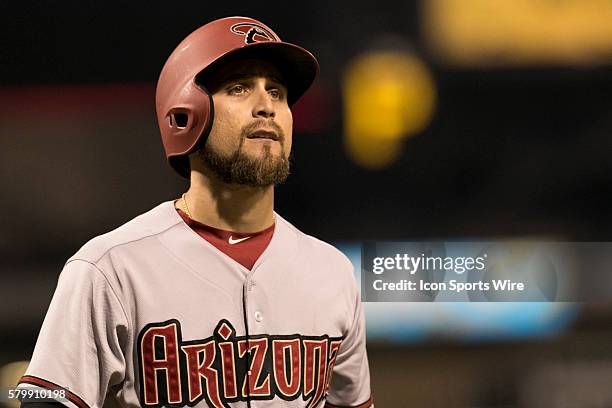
(494, 32)
(10, 375)
(372, 153)
(387, 97)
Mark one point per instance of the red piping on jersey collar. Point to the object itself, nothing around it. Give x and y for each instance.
(72, 397)
(220, 233)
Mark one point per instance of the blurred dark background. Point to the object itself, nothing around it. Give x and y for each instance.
(514, 142)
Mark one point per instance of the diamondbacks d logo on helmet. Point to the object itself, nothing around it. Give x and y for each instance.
(252, 32)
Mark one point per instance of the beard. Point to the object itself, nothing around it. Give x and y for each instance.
(239, 168)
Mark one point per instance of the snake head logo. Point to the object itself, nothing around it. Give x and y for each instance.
(253, 32)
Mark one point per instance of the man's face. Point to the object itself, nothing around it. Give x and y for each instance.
(250, 139)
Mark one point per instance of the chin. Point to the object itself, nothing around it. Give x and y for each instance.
(265, 151)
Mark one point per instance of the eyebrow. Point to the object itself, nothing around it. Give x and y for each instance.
(243, 77)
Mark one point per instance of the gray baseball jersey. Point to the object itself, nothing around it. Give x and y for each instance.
(153, 315)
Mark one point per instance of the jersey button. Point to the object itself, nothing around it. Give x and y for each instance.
(258, 316)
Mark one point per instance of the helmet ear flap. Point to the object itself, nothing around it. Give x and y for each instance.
(180, 120)
(186, 128)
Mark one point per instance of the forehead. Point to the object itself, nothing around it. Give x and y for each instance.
(242, 69)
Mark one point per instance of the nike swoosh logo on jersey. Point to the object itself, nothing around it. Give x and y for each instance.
(233, 241)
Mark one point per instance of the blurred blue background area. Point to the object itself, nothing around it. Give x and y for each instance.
(399, 322)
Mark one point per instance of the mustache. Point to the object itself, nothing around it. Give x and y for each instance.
(263, 124)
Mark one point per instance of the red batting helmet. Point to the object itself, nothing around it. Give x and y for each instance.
(184, 106)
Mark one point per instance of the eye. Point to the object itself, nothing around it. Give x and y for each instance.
(276, 93)
(237, 89)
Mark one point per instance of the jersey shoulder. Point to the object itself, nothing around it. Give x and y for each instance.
(151, 223)
(319, 249)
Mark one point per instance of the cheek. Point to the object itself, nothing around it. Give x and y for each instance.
(288, 142)
(224, 129)
(286, 123)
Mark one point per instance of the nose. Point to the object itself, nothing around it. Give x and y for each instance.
(264, 105)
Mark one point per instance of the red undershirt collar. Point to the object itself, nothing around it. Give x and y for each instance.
(244, 248)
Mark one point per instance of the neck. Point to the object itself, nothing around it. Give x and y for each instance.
(228, 206)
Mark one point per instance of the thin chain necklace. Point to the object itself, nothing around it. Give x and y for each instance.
(186, 207)
(189, 213)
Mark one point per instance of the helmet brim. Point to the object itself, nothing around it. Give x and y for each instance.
(297, 66)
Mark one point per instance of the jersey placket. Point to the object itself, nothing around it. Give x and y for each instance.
(252, 320)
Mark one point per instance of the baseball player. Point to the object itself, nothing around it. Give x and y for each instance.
(213, 299)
